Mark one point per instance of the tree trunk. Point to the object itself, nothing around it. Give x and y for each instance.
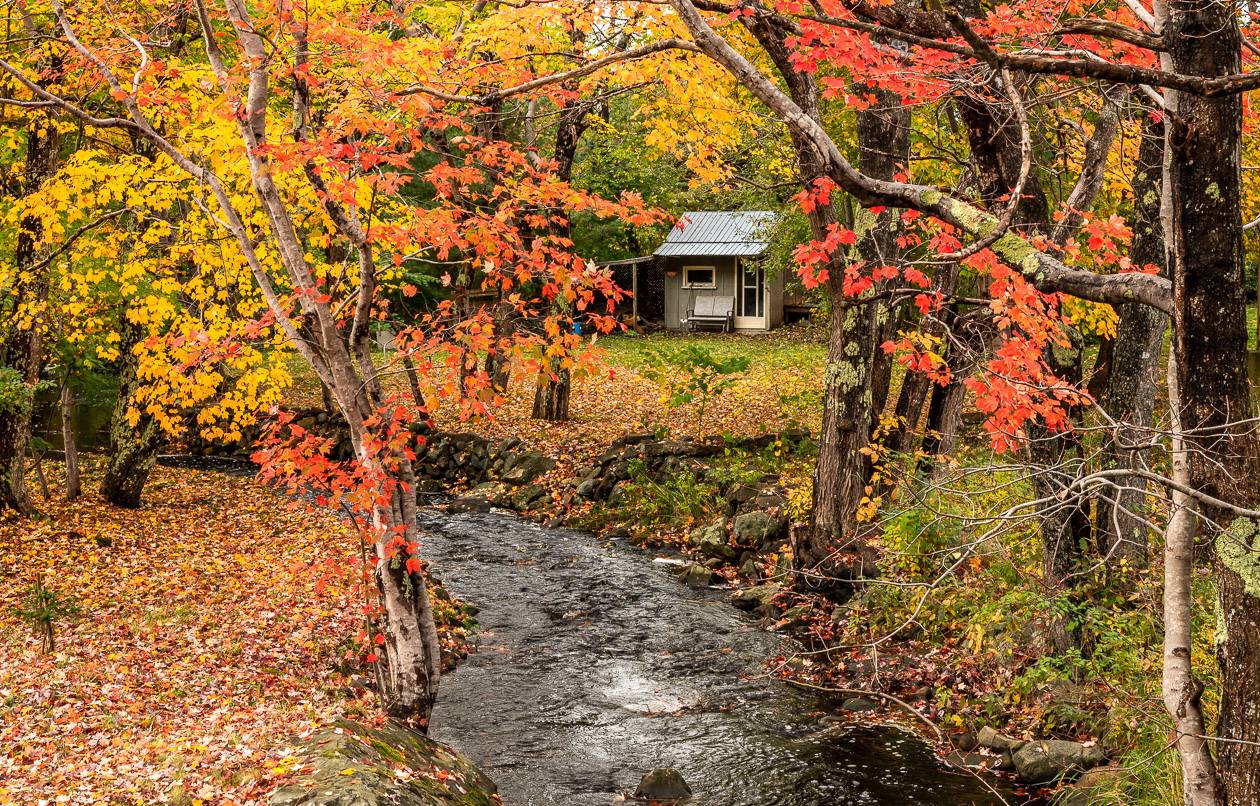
(915, 386)
(408, 679)
(1065, 527)
(413, 379)
(15, 436)
(1182, 691)
(326, 399)
(995, 139)
(22, 349)
(551, 396)
(972, 333)
(884, 150)
(822, 560)
(944, 419)
(1203, 218)
(498, 358)
(1129, 395)
(855, 383)
(73, 489)
(132, 448)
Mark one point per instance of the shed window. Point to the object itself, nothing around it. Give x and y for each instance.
(699, 277)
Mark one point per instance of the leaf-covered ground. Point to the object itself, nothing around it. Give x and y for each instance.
(204, 642)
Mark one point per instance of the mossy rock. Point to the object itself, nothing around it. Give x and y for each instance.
(349, 764)
(755, 528)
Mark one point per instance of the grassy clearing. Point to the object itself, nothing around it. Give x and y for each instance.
(781, 389)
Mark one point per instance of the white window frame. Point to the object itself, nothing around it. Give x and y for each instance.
(709, 285)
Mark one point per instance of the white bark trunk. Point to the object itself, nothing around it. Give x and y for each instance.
(1181, 690)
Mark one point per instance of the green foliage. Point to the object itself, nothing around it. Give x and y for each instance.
(42, 608)
(16, 396)
(680, 500)
(799, 406)
(916, 542)
(692, 373)
(791, 230)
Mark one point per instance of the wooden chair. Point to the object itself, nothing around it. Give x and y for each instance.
(711, 310)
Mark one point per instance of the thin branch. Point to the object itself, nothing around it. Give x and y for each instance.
(1046, 272)
(554, 78)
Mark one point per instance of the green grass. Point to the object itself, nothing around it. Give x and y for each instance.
(794, 349)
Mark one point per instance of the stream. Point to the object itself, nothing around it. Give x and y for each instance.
(595, 664)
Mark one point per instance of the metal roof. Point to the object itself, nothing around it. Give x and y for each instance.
(740, 233)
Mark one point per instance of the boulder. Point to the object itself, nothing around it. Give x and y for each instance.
(526, 467)
(796, 616)
(470, 503)
(859, 705)
(429, 487)
(662, 785)
(770, 499)
(1047, 760)
(756, 528)
(526, 497)
(756, 598)
(962, 760)
(1090, 786)
(710, 541)
(741, 494)
(348, 763)
(588, 488)
(618, 494)
(633, 439)
(990, 739)
(507, 445)
(697, 576)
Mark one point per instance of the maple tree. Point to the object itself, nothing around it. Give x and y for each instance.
(317, 208)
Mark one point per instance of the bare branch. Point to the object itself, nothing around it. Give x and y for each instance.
(554, 78)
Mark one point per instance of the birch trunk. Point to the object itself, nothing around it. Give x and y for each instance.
(1182, 691)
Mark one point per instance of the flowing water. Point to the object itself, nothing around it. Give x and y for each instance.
(595, 664)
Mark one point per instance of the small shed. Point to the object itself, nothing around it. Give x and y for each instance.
(714, 255)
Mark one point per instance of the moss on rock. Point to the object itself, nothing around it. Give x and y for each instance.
(349, 763)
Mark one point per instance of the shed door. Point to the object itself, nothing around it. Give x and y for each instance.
(750, 301)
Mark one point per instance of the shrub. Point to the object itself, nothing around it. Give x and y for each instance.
(42, 608)
(692, 374)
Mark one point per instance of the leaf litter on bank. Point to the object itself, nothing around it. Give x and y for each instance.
(215, 625)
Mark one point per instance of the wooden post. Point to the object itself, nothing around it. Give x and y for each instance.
(67, 440)
(634, 294)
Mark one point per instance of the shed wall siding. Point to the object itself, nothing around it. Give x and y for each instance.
(679, 300)
(774, 301)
